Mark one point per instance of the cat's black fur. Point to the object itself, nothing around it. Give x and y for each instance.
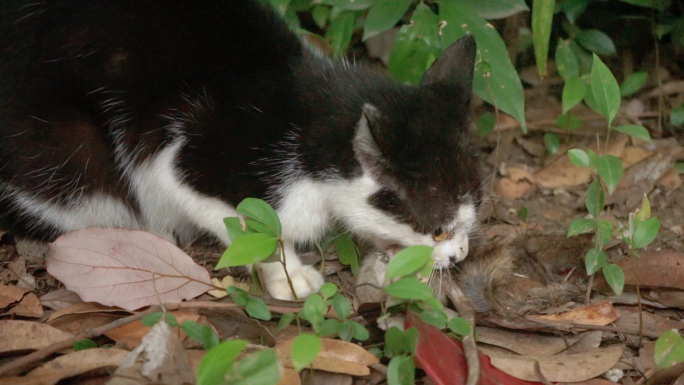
(91, 89)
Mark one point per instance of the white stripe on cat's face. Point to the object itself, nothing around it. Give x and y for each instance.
(350, 205)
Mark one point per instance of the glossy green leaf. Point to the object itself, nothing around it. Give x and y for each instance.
(416, 46)
(261, 211)
(633, 83)
(581, 226)
(573, 93)
(346, 252)
(610, 169)
(384, 15)
(350, 5)
(239, 296)
(408, 261)
(569, 121)
(551, 142)
(595, 199)
(399, 342)
(248, 249)
(595, 260)
(339, 32)
(485, 124)
(645, 233)
(435, 317)
(502, 84)
(359, 332)
(635, 131)
(285, 320)
(596, 41)
(677, 116)
(218, 362)
(573, 8)
(260, 368)
(578, 157)
(605, 90)
(566, 62)
(615, 277)
(84, 344)
(495, 9)
(341, 306)
(305, 348)
(319, 14)
(401, 371)
(460, 326)
(542, 17)
(605, 233)
(669, 349)
(201, 333)
(153, 318)
(256, 308)
(234, 228)
(409, 288)
(328, 290)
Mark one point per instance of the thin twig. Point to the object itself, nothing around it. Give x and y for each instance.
(287, 275)
(641, 314)
(466, 311)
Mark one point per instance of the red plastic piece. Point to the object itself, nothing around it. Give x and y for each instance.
(443, 359)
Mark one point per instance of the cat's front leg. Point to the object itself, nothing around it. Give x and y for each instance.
(305, 278)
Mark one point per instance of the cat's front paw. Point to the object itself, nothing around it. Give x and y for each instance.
(305, 280)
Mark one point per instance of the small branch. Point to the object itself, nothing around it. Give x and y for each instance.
(587, 298)
(284, 263)
(465, 310)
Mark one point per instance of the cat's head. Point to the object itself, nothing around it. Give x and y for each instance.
(416, 148)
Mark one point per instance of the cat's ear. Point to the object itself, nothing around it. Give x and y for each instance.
(366, 148)
(455, 65)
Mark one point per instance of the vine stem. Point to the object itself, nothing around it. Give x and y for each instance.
(284, 263)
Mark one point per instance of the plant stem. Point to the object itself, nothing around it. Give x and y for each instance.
(657, 72)
(282, 262)
(597, 240)
(641, 314)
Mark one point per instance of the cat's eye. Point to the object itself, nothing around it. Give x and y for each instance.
(439, 234)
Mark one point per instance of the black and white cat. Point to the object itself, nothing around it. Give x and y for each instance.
(163, 115)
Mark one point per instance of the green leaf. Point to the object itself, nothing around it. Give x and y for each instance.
(669, 349)
(460, 326)
(359, 332)
(605, 233)
(239, 296)
(234, 228)
(581, 226)
(320, 14)
(542, 17)
(384, 15)
(201, 333)
(569, 121)
(595, 199)
(328, 290)
(305, 348)
(573, 93)
(573, 8)
(344, 330)
(605, 90)
(578, 157)
(495, 9)
(376, 352)
(329, 327)
(260, 368)
(350, 5)
(503, 80)
(679, 166)
(409, 288)
(435, 317)
(593, 158)
(677, 116)
(261, 211)
(84, 344)
(485, 124)
(633, 83)
(615, 277)
(610, 169)
(408, 261)
(595, 260)
(522, 214)
(248, 249)
(346, 252)
(645, 233)
(341, 306)
(401, 371)
(596, 42)
(638, 132)
(285, 320)
(218, 362)
(416, 46)
(566, 62)
(645, 209)
(551, 142)
(399, 342)
(153, 318)
(339, 33)
(660, 5)
(313, 311)
(256, 308)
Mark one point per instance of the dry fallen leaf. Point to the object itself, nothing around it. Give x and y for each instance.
(24, 279)
(508, 188)
(335, 356)
(60, 299)
(600, 313)
(10, 294)
(653, 325)
(226, 282)
(132, 334)
(671, 180)
(633, 154)
(84, 308)
(290, 377)
(656, 269)
(569, 368)
(69, 365)
(28, 307)
(129, 269)
(523, 342)
(25, 335)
